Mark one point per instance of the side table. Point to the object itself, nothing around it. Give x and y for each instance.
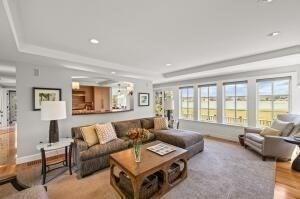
(66, 143)
(296, 162)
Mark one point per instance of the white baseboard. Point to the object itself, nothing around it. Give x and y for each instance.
(34, 157)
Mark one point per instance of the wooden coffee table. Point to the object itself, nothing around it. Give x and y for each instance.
(150, 164)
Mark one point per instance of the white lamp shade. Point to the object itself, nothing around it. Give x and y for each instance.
(53, 110)
(169, 104)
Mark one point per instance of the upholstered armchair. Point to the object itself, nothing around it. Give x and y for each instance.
(274, 146)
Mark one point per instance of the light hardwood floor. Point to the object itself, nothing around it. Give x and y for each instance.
(287, 185)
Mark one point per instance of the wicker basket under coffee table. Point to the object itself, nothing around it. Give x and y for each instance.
(151, 164)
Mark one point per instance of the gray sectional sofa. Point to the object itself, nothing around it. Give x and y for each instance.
(91, 159)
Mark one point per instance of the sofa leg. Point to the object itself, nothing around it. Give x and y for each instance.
(263, 158)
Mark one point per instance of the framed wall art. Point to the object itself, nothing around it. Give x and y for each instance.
(44, 94)
(144, 99)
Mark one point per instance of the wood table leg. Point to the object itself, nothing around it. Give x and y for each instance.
(136, 185)
(70, 158)
(43, 165)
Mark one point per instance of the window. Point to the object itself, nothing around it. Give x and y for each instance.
(208, 103)
(186, 103)
(273, 99)
(235, 105)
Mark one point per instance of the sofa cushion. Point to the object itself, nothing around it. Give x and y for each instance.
(147, 123)
(270, 131)
(161, 123)
(122, 127)
(176, 137)
(103, 149)
(255, 137)
(105, 132)
(284, 127)
(89, 135)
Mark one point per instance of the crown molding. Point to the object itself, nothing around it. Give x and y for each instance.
(236, 61)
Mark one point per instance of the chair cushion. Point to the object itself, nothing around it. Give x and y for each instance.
(270, 131)
(123, 126)
(180, 138)
(255, 137)
(161, 123)
(147, 123)
(103, 149)
(105, 132)
(284, 127)
(89, 135)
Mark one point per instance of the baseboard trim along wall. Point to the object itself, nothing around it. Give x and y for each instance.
(35, 157)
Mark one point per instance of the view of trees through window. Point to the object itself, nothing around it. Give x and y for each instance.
(235, 105)
(273, 99)
(208, 103)
(186, 103)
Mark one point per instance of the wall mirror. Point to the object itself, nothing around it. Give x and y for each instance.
(100, 95)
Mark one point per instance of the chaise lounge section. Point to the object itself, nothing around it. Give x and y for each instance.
(91, 159)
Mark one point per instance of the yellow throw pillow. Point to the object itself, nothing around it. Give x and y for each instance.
(270, 131)
(89, 135)
(161, 123)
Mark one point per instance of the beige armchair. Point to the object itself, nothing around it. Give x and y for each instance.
(273, 146)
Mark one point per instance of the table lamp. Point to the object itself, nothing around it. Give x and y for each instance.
(53, 111)
(169, 106)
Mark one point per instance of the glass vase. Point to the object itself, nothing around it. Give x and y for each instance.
(137, 151)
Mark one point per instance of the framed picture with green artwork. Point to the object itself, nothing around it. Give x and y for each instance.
(44, 94)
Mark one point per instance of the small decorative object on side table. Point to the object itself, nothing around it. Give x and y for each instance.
(46, 147)
(137, 135)
(296, 162)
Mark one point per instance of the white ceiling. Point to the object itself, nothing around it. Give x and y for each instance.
(138, 37)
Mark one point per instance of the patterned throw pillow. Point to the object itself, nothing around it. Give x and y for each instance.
(89, 135)
(105, 132)
(161, 123)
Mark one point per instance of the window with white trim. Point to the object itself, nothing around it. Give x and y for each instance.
(273, 98)
(186, 103)
(208, 103)
(235, 103)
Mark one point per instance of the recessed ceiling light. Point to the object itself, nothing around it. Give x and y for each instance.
(273, 34)
(168, 64)
(113, 72)
(94, 41)
(266, 1)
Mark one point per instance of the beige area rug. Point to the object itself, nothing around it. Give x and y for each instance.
(222, 170)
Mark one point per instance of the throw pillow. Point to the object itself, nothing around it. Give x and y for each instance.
(105, 133)
(89, 135)
(284, 127)
(161, 123)
(270, 131)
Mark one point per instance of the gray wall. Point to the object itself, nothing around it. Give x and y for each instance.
(31, 130)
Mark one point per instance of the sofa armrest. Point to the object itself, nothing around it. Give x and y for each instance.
(275, 146)
(252, 130)
(81, 145)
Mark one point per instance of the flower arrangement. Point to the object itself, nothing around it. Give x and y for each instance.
(137, 135)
